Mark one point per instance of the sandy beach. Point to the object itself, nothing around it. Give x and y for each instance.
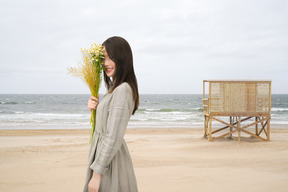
(165, 160)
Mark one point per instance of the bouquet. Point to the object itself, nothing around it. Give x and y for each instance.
(89, 70)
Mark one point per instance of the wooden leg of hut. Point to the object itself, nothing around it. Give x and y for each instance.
(205, 126)
(239, 126)
(256, 126)
(231, 123)
(210, 129)
(268, 129)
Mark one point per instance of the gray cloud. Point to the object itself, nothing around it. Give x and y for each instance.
(176, 44)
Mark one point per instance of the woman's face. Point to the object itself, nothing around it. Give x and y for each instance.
(108, 64)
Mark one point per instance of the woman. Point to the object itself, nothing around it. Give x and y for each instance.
(110, 166)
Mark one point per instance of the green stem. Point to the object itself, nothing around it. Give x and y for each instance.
(93, 113)
(93, 117)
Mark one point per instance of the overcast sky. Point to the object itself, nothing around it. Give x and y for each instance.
(176, 44)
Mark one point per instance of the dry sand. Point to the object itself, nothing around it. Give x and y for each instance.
(165, 160)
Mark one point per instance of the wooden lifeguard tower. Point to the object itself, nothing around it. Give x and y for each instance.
(239, 105)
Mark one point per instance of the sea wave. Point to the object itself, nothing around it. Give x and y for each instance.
(22, 117)
(61, 110)
(279, 109)
(11, 112)
(197, 109)
(15, 103)
(8, 102)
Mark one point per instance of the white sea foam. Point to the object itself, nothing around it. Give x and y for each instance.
(279, 109)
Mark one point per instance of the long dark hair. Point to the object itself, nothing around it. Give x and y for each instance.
(119, 51)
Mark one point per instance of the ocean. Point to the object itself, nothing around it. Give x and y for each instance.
(155, 111)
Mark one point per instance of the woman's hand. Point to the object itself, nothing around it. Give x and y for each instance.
(94, 183)
(92, 103)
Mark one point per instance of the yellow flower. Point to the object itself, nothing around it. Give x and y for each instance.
(89, 70)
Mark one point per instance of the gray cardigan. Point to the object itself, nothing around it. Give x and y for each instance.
(109, 155)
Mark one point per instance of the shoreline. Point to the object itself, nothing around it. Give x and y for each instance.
(39, 132)
(159, 125)
(86, 131)
(179, 130)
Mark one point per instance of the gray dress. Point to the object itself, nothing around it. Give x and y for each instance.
(109, 155)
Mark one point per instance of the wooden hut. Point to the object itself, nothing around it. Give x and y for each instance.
(238, 105)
